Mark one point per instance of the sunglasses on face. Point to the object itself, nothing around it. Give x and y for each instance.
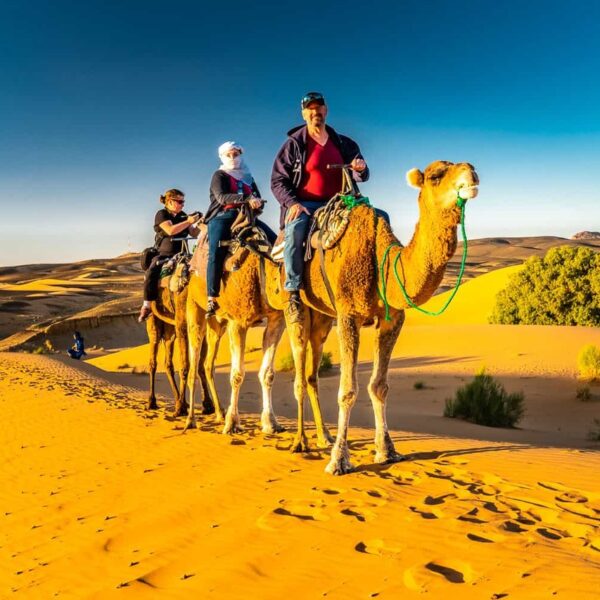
(178, 201)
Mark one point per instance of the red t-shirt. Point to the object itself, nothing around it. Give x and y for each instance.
(318, 182)
(235, 187)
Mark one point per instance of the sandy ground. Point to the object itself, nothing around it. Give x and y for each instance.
(102, 500)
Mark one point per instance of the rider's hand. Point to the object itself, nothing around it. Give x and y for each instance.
(255, 203)
(193, 218)
(294, 212)
(358, 164)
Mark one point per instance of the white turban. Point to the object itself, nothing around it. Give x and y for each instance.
(236, 167)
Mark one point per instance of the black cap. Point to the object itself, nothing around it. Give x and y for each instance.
(311, 97)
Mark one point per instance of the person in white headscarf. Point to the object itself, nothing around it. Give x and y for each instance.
(232, 185)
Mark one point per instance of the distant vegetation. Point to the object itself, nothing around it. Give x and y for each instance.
(485, 401)
(588, 363)
(286, 363)
(419, 385)
(562, 288)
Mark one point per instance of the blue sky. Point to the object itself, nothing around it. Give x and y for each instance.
(104, 105)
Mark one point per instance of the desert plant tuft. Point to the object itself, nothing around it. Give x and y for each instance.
(583, 393)
(419, 385)
(485, 401)
(594, 433)
(562, 288)
(588, 363)
(326, 364)
(285, 362)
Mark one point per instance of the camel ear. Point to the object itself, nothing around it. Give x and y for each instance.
(414, 178)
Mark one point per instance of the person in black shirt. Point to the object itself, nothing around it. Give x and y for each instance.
(169, 222)
(232, 185)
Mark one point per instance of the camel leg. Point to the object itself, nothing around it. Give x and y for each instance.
(181, 406)
(196, 331)
(387, 334)
(152, 364)
(237, 344)
(298, 334)
(320, 326)
(214, 332)
(266, 374)
(208, 405)
(169, 343)
(348, 333)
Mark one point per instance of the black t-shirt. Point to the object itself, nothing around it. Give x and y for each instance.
(167, 247)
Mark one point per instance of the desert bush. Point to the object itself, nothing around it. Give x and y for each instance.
(285, 362)
(594, 433)
(419, 385)
(583, 393)
(588, 363)
(326, 364)
(562, 288)
(485, 401)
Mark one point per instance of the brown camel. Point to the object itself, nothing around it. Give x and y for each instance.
(167, 324)
(352, 270)
(243, 302)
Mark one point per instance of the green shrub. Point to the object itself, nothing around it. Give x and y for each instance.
(583, 393)
(285, 362)
(484, 401)
(588, 362)
(562, 288)
(594, 433)
(419, 385)
(326, 364)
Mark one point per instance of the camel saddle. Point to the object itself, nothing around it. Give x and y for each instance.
(246, 235)
(328, 225)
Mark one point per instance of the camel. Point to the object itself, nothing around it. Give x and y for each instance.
(352, 271)
(243, 302)
(167, 324)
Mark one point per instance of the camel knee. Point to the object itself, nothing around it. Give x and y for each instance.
(347, 400)
(312, 380)
(266, 377)
(236, 378)
(379, 389)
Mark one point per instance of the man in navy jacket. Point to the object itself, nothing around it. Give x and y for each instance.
(302, 183)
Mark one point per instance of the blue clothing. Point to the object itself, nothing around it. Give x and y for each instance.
(78, 349)
(219, 228)
(296, 232)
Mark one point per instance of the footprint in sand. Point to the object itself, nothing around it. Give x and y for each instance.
(427, 512)
(486, 537)
(379, 547)
(420, 578)
(292, 510)
(357, 510)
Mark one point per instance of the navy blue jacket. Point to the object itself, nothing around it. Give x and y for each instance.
(288, 167)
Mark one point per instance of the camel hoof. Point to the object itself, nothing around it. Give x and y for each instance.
(300, 444)
(388, 458)
(180, 411)
(271, 425)
(152, 405)
(208, 408)
(339, 467)
(231, 428)
(189, 425)
(325, 440)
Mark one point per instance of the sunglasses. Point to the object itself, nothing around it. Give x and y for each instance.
(178, 201)
(312, 97)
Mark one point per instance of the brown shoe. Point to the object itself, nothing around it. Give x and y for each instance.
(293, 310)
(211, 308)
(144, 314)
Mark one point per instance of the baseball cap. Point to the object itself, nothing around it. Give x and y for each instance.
(311, 97)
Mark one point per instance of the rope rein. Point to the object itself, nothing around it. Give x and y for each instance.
(383, 293)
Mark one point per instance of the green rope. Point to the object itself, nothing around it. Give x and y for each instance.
(351, 201)
(383, 294)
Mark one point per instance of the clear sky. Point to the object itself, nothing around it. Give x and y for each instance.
(104, 105)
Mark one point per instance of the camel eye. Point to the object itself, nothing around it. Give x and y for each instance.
(437, 175)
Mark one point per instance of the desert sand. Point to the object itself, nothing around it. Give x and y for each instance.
(103, 499)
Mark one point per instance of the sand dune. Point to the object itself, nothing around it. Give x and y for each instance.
(101, 500)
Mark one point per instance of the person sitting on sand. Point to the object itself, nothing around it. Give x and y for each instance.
(77, 350)
(169, 223)
(232, 185)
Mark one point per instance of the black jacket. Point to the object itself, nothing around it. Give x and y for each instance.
(220, 194)
(288, 167)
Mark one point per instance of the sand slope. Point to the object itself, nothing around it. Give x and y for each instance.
(101, 500)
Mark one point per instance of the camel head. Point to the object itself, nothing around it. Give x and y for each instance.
(443, 182)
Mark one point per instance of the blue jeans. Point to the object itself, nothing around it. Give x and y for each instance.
(296, 232)
(219, 228)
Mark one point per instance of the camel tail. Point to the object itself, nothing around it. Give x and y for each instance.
(162, 316)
